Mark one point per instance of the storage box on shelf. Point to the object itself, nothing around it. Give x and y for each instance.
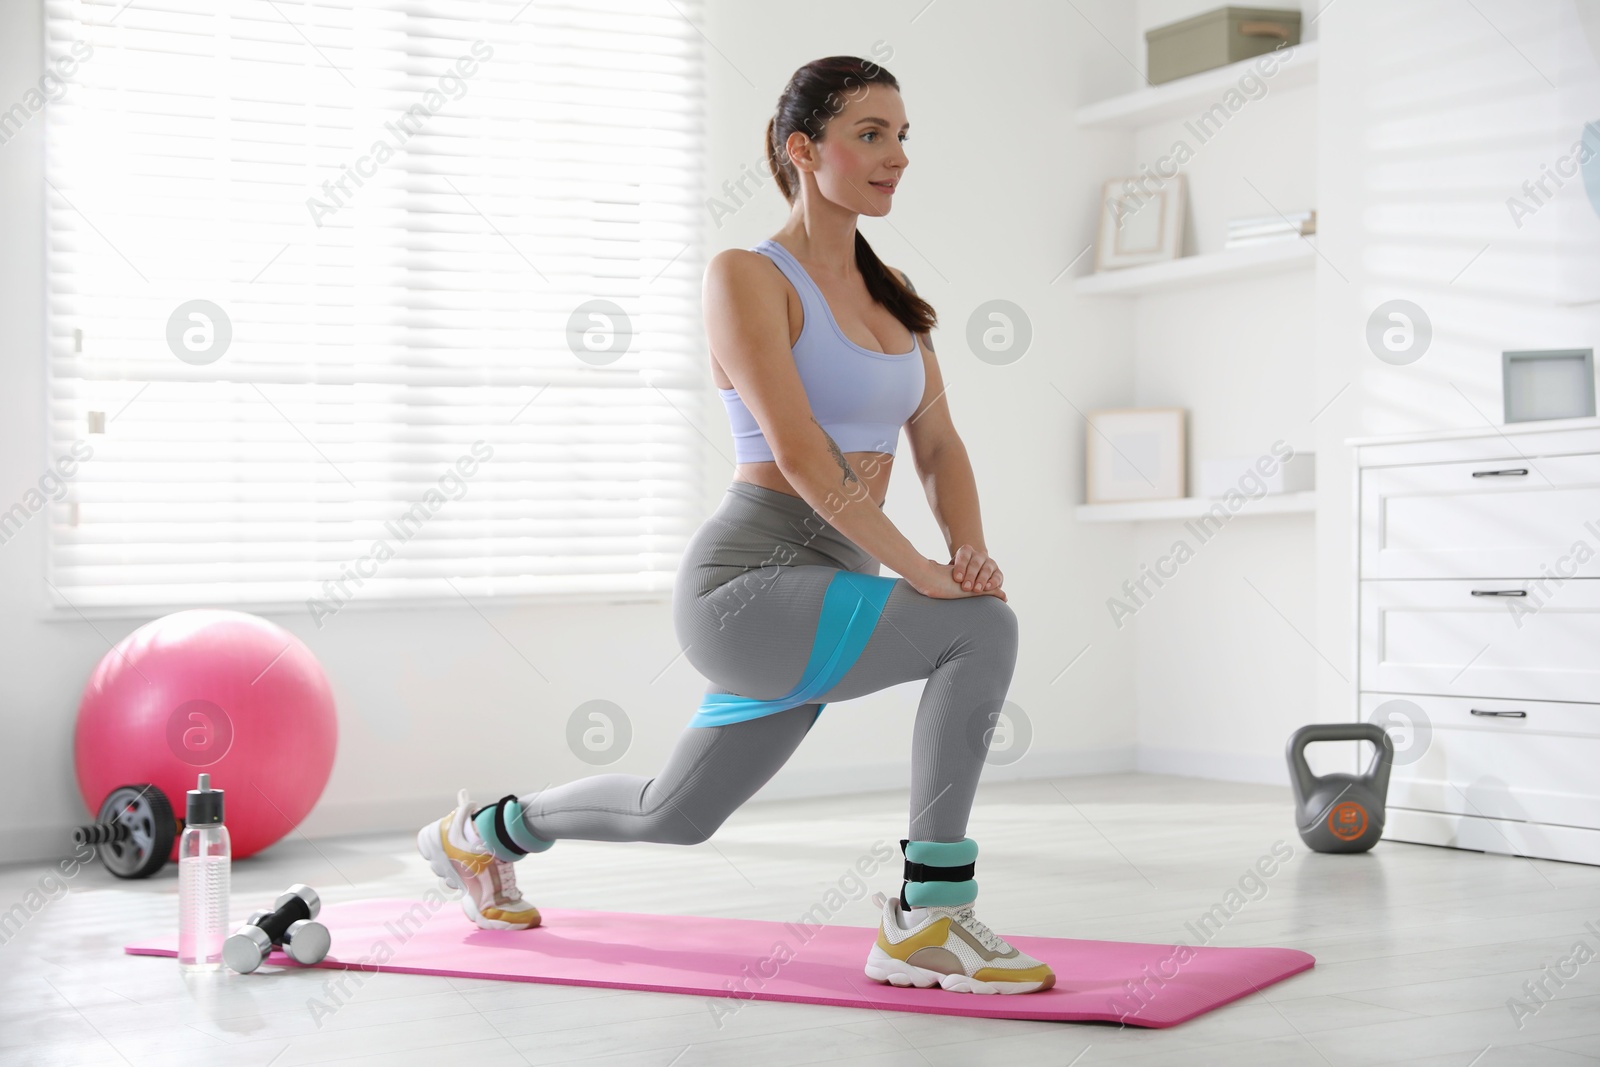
(1477, 605)
(1290, 68)
(1217, 38)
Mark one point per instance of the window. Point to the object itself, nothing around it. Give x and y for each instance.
(372, 301)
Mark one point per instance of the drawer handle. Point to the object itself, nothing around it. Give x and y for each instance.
(1496, 474)
(1499, 592)
(1501, 714)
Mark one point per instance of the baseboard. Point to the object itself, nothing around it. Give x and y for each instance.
(385, 816)
(790, 783)
(1216, 766)
(799, 783)
(37, 844)
(1570, 844)
(44, 843)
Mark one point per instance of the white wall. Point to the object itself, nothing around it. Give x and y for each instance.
(1433, 116)
(999, 198)
(1223, 673)
(1422, 124)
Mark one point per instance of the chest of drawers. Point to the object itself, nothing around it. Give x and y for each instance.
(1478, 634)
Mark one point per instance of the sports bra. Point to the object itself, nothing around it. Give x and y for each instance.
(860, 397)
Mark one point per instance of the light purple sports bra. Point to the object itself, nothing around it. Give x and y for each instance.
(860, 397)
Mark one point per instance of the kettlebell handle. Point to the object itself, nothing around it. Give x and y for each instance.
(1377, 772)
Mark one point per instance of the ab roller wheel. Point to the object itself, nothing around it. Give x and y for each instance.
(133, 832)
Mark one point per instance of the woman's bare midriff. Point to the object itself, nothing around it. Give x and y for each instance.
(872, 468)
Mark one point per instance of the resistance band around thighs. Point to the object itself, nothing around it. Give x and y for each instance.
(850, 610)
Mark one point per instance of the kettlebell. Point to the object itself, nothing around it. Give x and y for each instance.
(1340, 812)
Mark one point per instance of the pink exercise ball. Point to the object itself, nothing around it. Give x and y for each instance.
(221, 692)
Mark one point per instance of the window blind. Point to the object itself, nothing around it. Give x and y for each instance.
(373, 300)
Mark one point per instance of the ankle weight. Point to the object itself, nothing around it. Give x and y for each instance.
(938, 873)
(503, 830)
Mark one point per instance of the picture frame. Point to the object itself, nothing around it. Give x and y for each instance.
(1138, 224)
(1135, 454)
(1549, 384)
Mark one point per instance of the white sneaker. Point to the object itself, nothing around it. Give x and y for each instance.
(949, 948)
(457, 854)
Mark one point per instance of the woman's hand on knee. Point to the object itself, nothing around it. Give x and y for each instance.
(939, 580)
(976, 570)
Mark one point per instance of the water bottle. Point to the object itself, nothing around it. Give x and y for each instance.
(204, 859)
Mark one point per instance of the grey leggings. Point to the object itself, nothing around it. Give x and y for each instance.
(745, 608)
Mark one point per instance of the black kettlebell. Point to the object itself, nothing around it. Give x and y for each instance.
(1340, 812)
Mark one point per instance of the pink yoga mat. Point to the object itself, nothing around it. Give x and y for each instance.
(745, 959)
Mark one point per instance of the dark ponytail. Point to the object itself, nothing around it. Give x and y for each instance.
(815, 93)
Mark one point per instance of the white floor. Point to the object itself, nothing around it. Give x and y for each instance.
(1418, 948)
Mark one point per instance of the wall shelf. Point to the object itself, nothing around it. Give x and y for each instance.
(1189, 96)
(1249, 262)
(1190, 507)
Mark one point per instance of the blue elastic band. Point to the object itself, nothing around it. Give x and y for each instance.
(850, 609)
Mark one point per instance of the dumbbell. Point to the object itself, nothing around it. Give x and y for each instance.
(288, 924)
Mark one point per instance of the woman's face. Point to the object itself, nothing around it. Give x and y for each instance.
(861, 155)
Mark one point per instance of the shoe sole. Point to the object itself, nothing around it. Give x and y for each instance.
(439, 863)
(882, 967)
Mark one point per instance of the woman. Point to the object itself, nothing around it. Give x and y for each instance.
(820, 354)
